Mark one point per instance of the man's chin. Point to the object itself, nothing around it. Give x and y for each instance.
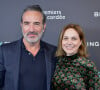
(31, 41)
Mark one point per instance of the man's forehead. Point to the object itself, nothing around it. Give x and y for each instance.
(32, 13)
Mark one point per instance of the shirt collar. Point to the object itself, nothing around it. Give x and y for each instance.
(41, 45)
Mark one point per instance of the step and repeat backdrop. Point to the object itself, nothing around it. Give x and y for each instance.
(86, 13)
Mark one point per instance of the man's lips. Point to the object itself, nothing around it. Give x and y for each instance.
(32, 35)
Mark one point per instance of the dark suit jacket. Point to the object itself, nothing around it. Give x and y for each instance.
(10, 61)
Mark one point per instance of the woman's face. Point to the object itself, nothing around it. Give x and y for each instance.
(71, 42)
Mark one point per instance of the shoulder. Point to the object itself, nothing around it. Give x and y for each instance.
(87, 63)
(48, 46)
(10, 44)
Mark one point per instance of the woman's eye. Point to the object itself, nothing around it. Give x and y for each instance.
(74, 38)
(65, 38)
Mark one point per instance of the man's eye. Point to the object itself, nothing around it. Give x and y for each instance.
(37, 23)
(26, 23)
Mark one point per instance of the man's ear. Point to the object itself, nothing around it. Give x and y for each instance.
(21, 24)
(44, 27)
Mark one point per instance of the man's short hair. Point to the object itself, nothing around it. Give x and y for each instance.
(34, 8)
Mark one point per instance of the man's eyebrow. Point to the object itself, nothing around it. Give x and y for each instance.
(36, 22)
(26, 22)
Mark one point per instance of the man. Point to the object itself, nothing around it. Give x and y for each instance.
(29, 63)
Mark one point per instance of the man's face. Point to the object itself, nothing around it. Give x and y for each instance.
(32, 26)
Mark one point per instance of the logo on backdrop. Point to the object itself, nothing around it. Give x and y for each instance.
(93, 44)
(54, 14)
(3, 43)
(96, 14)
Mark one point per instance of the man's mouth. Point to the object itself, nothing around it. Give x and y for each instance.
(32, 34)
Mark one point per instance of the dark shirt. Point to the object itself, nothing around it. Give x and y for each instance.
(32, 70)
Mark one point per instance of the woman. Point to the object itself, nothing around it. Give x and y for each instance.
(74, 71)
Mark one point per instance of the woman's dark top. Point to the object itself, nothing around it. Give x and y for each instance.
(75, 73)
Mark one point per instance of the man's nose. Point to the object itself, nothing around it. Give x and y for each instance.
(32, 28)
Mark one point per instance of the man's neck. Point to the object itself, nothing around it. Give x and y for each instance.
(32, 48)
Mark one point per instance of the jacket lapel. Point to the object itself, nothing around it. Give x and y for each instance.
(16, 58)
(48, 68)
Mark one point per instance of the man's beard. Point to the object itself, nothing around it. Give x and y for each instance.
(33, 40)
